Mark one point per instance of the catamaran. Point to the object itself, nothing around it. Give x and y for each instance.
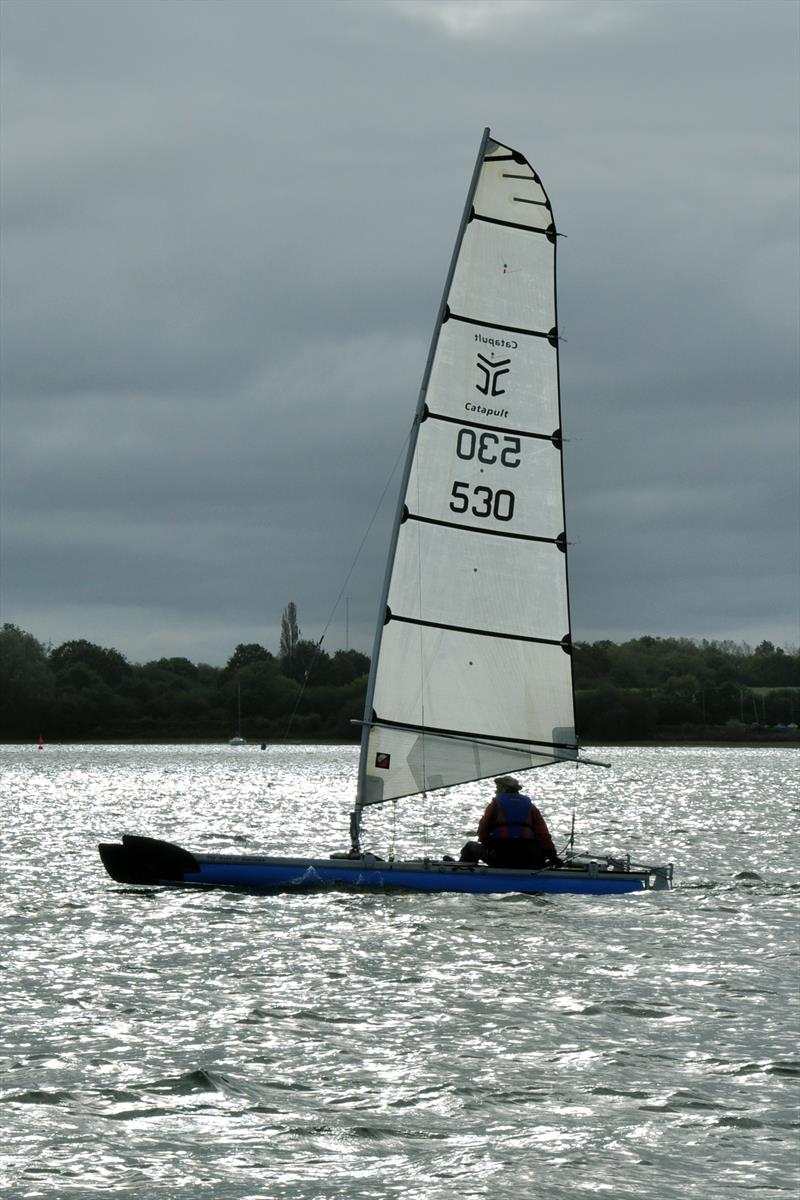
(471, 673)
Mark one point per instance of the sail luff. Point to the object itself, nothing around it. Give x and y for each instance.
(361, 784)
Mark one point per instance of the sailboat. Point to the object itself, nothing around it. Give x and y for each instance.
(471, 673)
(237, 739)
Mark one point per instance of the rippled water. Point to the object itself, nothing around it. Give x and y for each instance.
(163, 1043)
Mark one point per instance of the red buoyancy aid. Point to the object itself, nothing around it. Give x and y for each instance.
(513, 818)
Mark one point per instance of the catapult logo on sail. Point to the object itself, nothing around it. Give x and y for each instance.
(491, 371)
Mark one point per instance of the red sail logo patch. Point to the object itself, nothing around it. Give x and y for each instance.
(382, 761)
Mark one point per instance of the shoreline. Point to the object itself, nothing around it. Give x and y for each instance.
(778, 740)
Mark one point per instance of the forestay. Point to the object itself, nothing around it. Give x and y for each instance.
(471, 671)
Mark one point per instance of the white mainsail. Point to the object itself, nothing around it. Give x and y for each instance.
(471, 673)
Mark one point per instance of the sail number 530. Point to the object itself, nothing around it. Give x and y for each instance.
(488, 447)
(485, 501)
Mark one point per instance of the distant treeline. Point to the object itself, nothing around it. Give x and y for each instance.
(647, 688)
(82, 692)
(677, 688)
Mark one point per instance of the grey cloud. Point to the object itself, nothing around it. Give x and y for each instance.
(226, 228)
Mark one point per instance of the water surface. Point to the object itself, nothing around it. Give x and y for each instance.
(338, 1044)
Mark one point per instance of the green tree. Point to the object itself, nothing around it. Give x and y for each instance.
(346, 666)
(86, 707)
(783, 706)
(268, 696)
(173, 698)
(290, 633)
(308, 660)
(591, 661)
(679, 701)
(111, 666)
(725, 702)
(614, 714)
(180, 667)
(27, 687)
(773, 667)
(244, 655)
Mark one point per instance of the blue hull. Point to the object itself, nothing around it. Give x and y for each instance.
(149, 861)
(434, 877)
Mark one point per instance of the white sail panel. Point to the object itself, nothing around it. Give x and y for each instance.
(507, 192)
(512, 587)
(472, 673)
(511, 691)
(496, 378)
(511, 191)
(496, 482)
(403, 763)
(505, 277)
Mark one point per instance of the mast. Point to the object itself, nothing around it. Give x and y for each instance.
(563, 484)
(355, 816)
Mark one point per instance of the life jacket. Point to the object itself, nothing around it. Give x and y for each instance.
(513, 818)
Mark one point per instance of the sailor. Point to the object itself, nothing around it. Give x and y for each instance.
(512, 832)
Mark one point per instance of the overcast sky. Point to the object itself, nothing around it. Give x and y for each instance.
(225, 232)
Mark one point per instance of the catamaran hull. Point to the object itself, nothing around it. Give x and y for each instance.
(138, 860)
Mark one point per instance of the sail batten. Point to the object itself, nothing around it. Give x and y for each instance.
(548, 232)
(488, 633)
(550, 335)
(477, 634)
(545, 437)
(504, 533)
(484, 739)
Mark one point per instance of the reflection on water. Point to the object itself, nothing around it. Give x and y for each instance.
(342, 1044)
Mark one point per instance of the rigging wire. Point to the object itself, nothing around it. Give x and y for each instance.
(393, 833)
(425, 818)
(569, 849)
(367, 531)
(338, 600)
(303, 686)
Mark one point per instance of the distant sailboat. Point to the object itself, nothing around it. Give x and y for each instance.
(237, 739)
(471, 673)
